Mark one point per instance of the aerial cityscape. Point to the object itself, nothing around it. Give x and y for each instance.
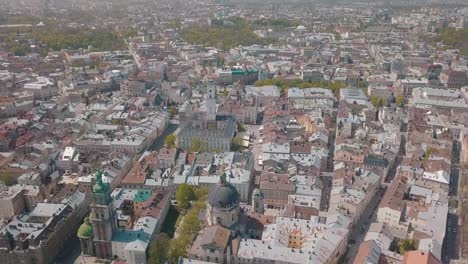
(234, 132)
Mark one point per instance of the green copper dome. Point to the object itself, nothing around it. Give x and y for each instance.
(86, 230)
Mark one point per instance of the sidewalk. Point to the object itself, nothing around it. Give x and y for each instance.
(86, 260)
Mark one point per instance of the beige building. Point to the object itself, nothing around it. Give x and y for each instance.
(43, 88)
(297, 241)
(132, 88)
(12, 201)
(453, 79)
(212, 245)
(276, 188)
(392, 206)
(464, 150)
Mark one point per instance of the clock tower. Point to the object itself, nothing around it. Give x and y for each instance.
(102, 218)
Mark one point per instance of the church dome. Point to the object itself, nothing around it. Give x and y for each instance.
(86, 230)
(301, 27)
(223, 196)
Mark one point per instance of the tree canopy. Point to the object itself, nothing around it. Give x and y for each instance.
(57, 39)
(184, 195)
(278, 23)
(455, 39)
(54, 38)
(196, 145)
(173, 111)
(170, 141)
(224, 35)
(159, 251)
(284, 84)
(378, 101)
(427, 154)
(168, 249)
(236, 144)
(241, 127)
(406, 245)
(188, 226)
(7, 178)
(400, 100)
(201, 193)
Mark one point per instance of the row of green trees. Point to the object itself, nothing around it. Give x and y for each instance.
(7, 179)
(278, 23)
(57, 39)
(379, 101)
(454, 39)
(199, 146)
(54, 38)
(18, 19)
(284, 84)
(165, 249)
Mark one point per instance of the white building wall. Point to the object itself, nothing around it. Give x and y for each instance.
(389, 216)
(135, 257)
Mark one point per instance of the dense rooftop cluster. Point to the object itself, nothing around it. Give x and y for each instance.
(233, 132)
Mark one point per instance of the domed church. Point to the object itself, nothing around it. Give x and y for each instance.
(223, 205)
(86, 235)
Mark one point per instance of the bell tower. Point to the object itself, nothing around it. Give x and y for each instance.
(210, 100)
(102, 218)
(257, 201)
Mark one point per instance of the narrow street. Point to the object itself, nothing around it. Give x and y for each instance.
(327, 177)
(159, 142)
(401, 153)
(450, 249)
(369, 216)
(256, 146)
(71, 252)
(360, 229)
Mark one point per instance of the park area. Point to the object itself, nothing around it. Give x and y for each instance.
(180, 226)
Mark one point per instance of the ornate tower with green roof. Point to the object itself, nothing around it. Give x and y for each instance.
(102, 218)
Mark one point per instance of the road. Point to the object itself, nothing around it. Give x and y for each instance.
(256, 147)
(359, 230)
(70, 253)
(453, 188)
(401, 153)
(326, 190)
(328, 176)
(159, 142)
(331, 151)
(451, 245)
